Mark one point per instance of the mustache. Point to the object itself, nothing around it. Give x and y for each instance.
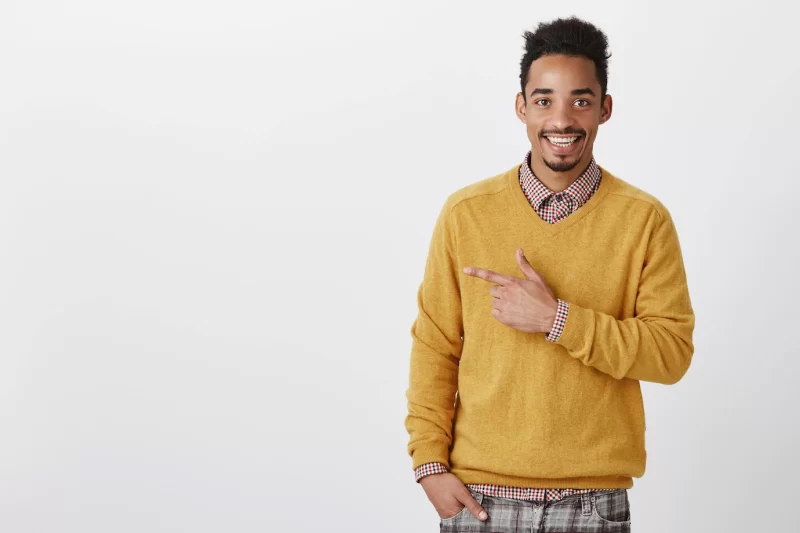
(568, 131)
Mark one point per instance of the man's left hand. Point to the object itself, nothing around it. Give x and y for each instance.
(525, 304)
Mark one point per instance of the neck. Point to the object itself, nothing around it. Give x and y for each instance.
(558, 181)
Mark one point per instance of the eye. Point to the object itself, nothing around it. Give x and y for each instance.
(542, 102)
(582, 102)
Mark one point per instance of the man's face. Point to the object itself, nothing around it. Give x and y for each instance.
(562, 111)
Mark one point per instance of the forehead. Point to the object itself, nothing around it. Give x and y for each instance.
(560, 72)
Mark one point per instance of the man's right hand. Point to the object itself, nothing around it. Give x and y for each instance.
(449, 496)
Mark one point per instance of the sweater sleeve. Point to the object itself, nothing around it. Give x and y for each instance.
(437, 339)
(656, 343)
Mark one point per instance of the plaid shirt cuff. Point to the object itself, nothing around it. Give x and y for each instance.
(558, 325)
(427, 469)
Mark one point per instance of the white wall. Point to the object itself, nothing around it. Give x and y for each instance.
(214, 218)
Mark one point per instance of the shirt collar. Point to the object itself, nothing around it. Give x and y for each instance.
(579, 190)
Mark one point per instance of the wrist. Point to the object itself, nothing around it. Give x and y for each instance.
(562, 310)
(551, 318)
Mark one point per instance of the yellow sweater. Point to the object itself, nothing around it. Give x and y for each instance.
(501, 406)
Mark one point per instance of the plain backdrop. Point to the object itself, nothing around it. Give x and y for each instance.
(214, 217)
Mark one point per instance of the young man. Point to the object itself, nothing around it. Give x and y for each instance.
(524, 406)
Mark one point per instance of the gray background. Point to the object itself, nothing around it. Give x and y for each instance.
(214, 219)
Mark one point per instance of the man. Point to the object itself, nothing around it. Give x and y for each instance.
(524, 406)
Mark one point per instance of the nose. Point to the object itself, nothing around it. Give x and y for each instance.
(561, 117)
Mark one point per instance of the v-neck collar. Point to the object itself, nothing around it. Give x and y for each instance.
(519, 199)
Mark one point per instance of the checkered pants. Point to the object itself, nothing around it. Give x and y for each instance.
(594, 512)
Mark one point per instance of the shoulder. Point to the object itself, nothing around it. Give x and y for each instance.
(482, 190)
(633, 197)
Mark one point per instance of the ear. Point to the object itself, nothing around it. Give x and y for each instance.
(605, 110)
(519, 108)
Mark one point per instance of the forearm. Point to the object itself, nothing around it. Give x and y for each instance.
(656, 349)
(433, 382)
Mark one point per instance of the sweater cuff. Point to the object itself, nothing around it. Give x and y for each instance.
(427, 469)
(432, 451)
(558, 325)
(577, 330)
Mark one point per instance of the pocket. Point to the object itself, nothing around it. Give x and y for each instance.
(464, 511)
(612, 509)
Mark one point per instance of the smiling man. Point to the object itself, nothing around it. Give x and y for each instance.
(525, 410)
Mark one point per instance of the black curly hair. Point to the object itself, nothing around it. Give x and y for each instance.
(568, 36)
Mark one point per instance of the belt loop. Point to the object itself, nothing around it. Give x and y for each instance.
(587, 500)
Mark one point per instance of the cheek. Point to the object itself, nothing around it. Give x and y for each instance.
(590, 127)
(533, 137)
(534, 127)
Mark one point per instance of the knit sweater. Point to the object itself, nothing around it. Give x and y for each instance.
(501, 406)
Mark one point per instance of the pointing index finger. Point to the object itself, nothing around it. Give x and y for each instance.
(488, 275)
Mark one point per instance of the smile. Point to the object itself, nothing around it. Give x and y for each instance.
(561, 141)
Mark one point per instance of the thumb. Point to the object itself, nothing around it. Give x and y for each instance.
(474, 507)
(525, 266)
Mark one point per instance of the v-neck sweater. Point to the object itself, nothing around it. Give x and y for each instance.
(500, 406)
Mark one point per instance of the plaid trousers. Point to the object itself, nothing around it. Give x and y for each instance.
(594, 512)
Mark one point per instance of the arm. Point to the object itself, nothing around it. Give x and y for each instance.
(436, 347)
(654, 345)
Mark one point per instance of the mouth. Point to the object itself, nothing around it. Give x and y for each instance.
(563, 144)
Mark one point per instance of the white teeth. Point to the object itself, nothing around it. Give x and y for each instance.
(562, 141)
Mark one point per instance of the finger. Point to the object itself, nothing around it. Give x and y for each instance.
(524, 265)
(497, 291)
(503, 315)
(489, 275)
(474, 507)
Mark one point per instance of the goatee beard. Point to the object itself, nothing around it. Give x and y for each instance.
(561, 166)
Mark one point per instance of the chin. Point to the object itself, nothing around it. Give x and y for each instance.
(561, 166)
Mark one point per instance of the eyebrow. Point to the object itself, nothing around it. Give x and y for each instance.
(575, 92)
